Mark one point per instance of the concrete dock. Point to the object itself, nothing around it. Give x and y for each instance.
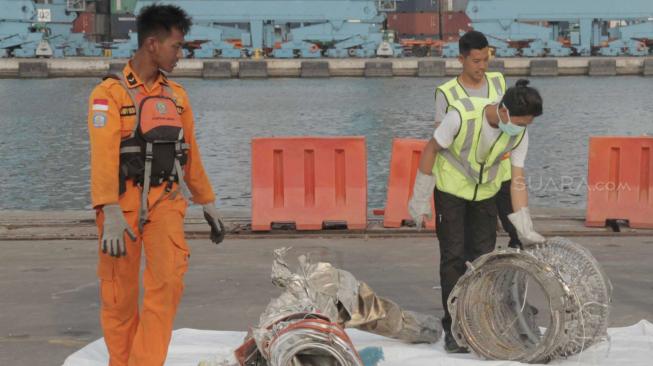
(320, 68)
(50, 302)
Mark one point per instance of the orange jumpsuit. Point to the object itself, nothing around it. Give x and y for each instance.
(140, 338)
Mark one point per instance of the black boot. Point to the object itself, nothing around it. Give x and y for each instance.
(451, 346)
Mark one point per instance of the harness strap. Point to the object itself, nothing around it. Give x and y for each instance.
(130, 149)
(180, 172)
(142, 214)
(132, 95)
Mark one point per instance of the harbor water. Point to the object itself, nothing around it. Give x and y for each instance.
(44, 140)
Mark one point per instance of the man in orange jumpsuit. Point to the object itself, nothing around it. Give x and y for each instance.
(145, 162)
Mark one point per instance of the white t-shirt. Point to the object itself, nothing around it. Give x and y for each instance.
(446, 132)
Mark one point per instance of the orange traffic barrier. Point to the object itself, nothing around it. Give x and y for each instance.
(309, 181)
(620, 181)
(403, 169)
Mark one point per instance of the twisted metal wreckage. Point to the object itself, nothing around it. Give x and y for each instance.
(305, 325)
(491, 313)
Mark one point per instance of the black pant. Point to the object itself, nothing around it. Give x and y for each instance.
(504, 208)
(466, 230)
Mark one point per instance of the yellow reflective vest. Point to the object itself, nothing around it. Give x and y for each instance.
(457, 170)
(496, 87)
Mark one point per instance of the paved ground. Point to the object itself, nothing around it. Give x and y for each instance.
(50, 304)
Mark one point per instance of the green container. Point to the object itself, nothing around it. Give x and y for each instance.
(123, 6)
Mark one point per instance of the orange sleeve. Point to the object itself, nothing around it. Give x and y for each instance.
(104, 132)
(194, 173)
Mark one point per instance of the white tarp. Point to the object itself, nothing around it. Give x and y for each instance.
(632, 346)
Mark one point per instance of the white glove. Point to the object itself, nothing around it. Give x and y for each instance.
(113, 231)
(419, 205)
(524, 225)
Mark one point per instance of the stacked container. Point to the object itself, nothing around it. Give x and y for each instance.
(435, 19)
(123, 20)
(418, 6)
(411, 25)
(86, 22)
(454, 23)
(102, 19)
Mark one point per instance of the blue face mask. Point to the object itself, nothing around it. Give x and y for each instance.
(509, 128)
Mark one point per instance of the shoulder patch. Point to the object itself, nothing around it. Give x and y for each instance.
(99, 119)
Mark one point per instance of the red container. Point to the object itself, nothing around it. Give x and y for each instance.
(84, 23)
(427, 24)
(455, 22)
(415, 24)
(400, 22)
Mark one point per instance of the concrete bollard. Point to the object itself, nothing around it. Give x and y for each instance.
(435, 68)
(648, 67)
(252, 69)
(544, 67)
(33, 70)
(315, 69)
(497, 66)
(378, 69)
(603, 67)
(216, 70)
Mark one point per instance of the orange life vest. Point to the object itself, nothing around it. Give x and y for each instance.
(155, 151)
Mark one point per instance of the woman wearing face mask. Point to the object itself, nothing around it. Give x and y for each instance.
(461, 162)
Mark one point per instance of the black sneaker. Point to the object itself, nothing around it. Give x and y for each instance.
(451, 346)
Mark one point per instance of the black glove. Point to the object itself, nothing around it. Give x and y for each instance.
(214, 219)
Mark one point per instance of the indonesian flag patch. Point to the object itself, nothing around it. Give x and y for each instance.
(100, 105)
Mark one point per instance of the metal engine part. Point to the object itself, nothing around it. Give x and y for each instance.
(492, 316)
(312, 342)
(305, 326)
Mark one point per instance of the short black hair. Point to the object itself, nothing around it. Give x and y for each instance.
(523, 100)
(157, 19)
(472, 40)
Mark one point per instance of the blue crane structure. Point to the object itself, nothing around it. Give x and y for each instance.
(29, 29)
(283, 29)
(535, 28)
(342, 28)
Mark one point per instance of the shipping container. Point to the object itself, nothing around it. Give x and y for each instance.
(418, 6)
(102, 24)
(427, 6)
(123, 6)
(415, 24)
(453, 5)
(455, 22)
(122, 25)
(84, 23)
(90, 7)
(103, 6)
